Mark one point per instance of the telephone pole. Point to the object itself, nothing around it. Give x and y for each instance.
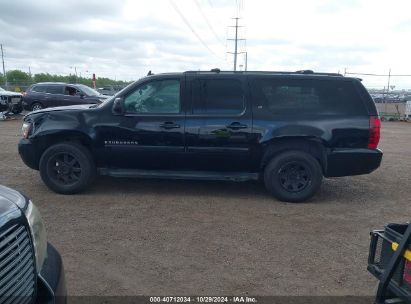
(236, 39)
(4, 69)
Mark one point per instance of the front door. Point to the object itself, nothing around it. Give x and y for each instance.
(72, 96)
(218, 127)
(150, 135)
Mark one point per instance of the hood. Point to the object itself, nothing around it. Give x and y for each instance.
(8, 93)
(66, 108)
(11, 200)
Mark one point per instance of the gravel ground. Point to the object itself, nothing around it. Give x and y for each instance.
(149, 237)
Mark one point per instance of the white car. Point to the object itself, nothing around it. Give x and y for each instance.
(10, 101)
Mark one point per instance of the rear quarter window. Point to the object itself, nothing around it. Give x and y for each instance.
(308, 96)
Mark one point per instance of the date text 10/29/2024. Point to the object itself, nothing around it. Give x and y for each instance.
(203, 299)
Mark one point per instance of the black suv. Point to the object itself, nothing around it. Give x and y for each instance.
(52, 94)
(287, 129)
(31, 269)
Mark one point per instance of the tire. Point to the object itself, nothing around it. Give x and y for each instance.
(37, 106)
(67, 168)
(293, 176)
(17, 109)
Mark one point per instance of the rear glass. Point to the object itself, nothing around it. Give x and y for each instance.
(288, 96)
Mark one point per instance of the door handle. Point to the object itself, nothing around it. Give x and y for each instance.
(237, 126)
(169, 125)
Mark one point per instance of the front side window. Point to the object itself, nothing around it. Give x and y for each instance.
(71, 91)
(161, 96)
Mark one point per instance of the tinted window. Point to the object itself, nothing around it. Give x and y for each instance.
(311, 96)
(161, 96)
(71, 91)
(55, 89)
(39, 89)
(218, 96)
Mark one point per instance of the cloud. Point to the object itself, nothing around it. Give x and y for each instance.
(125, 39)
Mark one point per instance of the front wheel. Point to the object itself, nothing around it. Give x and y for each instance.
(67, 168)
(293, 176)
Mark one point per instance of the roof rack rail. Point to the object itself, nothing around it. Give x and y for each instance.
(304, 72)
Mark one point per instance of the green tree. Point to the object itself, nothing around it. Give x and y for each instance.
(18, 78)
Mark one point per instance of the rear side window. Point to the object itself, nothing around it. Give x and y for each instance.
(288, 96)
(218, 96)
(54, 89)
(39, 89)
(51, 89)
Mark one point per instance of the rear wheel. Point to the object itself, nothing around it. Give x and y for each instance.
(67, 168)
(37, 106)
(293, 176)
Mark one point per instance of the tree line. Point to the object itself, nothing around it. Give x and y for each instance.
(18, 80)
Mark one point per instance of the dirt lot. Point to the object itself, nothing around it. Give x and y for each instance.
(145, 237)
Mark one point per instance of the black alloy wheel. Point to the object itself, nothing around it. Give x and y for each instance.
(67, 167)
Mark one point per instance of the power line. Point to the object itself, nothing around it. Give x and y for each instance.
(381, 75)
(208, 22)
(192, 29)
(215, 12)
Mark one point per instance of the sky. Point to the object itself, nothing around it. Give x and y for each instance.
(124, 39)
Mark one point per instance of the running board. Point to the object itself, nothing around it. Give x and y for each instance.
(193, 175)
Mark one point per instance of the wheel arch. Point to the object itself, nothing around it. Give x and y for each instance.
(312, 145)
(47, 140)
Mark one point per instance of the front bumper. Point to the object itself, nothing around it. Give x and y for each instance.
(346, 162)
(51, 286)
(28, 153)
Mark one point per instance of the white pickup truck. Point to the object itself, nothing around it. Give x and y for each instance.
(10, 102)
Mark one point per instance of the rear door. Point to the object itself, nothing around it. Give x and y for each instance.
(219, 124)
(53, 96)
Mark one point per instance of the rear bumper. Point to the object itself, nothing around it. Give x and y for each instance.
(28, 153)
(346, 162)
(51, 283)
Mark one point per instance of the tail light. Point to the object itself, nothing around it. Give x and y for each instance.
(407, 272)
(375, 129)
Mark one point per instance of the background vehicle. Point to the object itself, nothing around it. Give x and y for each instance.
(288, 129)
(408, 110)
(52, 94)
(10, 101)
(389, 261)
(31, 270)
(108, 90)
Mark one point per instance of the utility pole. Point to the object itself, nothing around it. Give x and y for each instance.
(236, 39)
(4, 69)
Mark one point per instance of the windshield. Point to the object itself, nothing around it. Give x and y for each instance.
(89, 91)
(115, 95)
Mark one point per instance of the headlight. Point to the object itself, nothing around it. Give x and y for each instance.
(26, 129)
(38, 232)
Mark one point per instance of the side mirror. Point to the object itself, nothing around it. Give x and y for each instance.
(118, 106)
